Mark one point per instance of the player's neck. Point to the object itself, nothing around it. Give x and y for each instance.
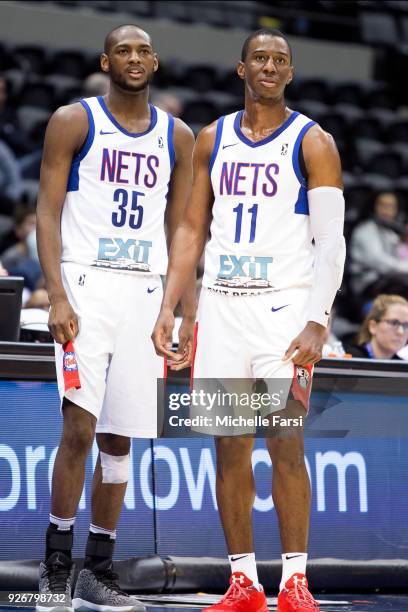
(259, 116)
(122, 104)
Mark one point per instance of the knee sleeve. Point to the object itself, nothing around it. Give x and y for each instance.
(115, 470)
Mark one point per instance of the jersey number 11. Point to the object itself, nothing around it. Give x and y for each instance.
(253, 211)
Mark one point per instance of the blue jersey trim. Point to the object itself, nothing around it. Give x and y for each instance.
(170, 141)
(218, 135)
(259, 143)
(73, 179)
(153, 119)
(302, 204)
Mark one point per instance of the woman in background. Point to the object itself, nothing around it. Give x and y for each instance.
(384, 331)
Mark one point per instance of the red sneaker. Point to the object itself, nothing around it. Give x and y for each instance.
(296, 597)
(242, 596)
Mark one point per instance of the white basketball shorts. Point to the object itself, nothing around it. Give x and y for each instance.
(117, 364)
(246, 337)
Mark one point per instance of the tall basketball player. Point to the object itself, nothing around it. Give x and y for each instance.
(271, 180)
(109, 163)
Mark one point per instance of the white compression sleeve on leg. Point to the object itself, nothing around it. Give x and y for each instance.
(115, 470)
(326, 209)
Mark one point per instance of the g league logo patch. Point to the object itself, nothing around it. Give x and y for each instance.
(70, 364)
(160, 142)
(284, 148)
(302, 377)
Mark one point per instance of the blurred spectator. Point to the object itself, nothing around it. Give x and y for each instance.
(403, 247)
(96, 84)
(3, 271)
(34, 318)
(168, 102)
(384, 331)
(38, 300)
(19, 259)
(375, 264)
(10, 175)
(332, 347)
(10, 132)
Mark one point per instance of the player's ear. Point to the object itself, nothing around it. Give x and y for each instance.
(156, 63)
(241, 70)
(104, 59)
(291, 75)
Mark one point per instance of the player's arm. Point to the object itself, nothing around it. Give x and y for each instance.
(180, 189)
(326, 209)
(188, 242)
(66, 132)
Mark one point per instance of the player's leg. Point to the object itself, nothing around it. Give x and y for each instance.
(97, 584)
(56, 573)
(291, 495)
(129, 410)
(221, 355)
(81, 408)
(108, 492)
(291, 486)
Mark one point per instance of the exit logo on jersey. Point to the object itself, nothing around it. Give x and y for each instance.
(119, 254)
(244, 271)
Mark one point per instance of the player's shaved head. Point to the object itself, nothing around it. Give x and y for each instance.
(115, 35)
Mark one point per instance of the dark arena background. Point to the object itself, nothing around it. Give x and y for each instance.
(351, 61)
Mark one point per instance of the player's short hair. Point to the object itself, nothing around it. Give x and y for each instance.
(109, 38)
(273, 32)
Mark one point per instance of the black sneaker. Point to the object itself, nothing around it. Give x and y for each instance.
(55, 585)
(98, 589)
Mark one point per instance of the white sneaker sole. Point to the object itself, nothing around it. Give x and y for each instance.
(40, 608)
(81, 605)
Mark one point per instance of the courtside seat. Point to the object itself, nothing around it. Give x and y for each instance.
(378, 29)
(15, 78)
(378, 96)
(398, 131)
(312, 108)
(69, 63)
(314, 89)
(347, 93)
(32, 59)
(201, 78)
(364, 151)
(229, 81)
(200, 111)
(388, 163)
(39, 94)
(377, 182)
(367, 127)
(336, 124)
(66, 88)
(30, 116)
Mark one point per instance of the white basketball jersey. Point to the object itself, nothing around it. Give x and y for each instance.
(113, 214)
(260, 232)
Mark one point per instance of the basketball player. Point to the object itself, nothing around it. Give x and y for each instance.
(271, 180)
(105, 176)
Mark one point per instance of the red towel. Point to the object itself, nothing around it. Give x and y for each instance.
(70, 367)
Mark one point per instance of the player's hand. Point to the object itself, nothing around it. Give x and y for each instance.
(162, 335)
(306, 348)
(185, 347)
(62, 321)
